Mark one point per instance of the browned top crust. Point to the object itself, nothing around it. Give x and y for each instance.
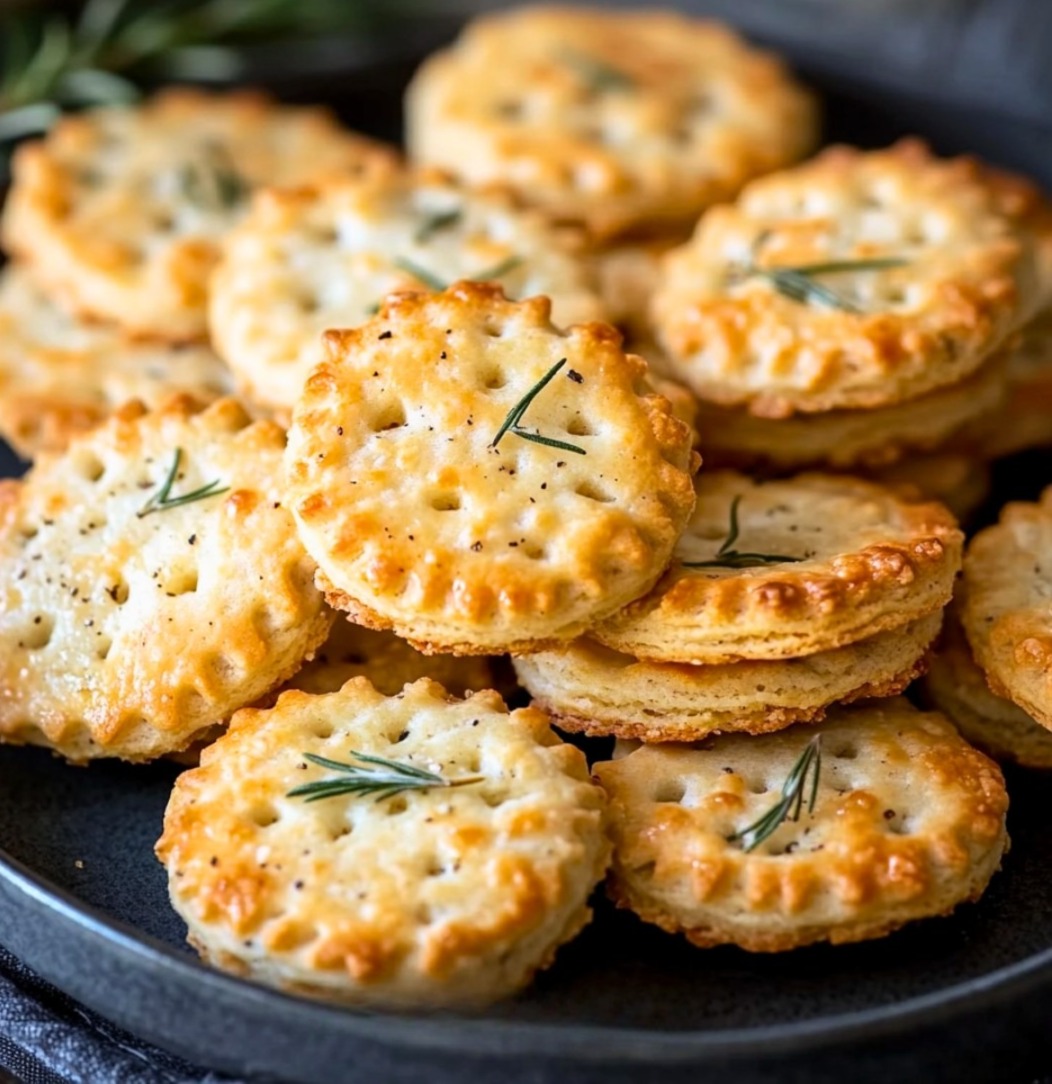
(120, 210)
(1004, 605)
(620, 120)
(870, 559)
(420, 523)
(434, 897)
(975, 250)
(126, 631)
(909, 821)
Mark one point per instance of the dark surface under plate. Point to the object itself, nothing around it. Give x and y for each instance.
(83, 901)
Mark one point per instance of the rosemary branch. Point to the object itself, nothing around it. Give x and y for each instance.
(162, 499)
(373, 775)
(62, 61)
(514, 417)
(728, 557)
(790, 805)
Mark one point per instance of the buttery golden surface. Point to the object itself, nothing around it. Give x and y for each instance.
(618, 119)
(868, 559)
(61, 375)
(438, 897)
(388, 662)
(125, 634)
(956, 686)
(120, 210)
(1004, 605)
(319, 257)
(958, 480)
(420, 524)
(590, 689)
(974, 246)
(909, 822)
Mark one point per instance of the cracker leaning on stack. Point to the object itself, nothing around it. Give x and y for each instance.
(476, 464)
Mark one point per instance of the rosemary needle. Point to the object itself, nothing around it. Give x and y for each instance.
(372, 775)
(163, 499)
(798, 283)
(791, 804)
(433, 224)
(514, 416)
(433, 282)
(728, 557)
(599, 75)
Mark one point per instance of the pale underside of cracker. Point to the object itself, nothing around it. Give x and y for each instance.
(430, 897)
(314, 258)
(592, 690)
(867, 560)
(970, 246)
(388, 662)
(620, 120)
(909, 822)
(127, 628)
(60, 375)
(120, 210)
(845, 439)
(956, 686)
(420, 524)
(1004, 605)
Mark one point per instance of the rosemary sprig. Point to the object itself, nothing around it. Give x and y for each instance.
(798, 283)
(435, 223)
(163, 499)
(211, 180)
(791, 804)
(728, 557)
(433, 282)
(514, 417)
(376, 776)
(63, 61)
(599, 75)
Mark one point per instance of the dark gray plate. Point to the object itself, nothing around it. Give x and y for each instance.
(83, 901)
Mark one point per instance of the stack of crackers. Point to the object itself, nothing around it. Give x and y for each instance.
(321, 437)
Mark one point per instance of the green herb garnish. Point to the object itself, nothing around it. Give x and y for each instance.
(798, 283)
(599, 75)
(53, 62)
(212, 182)
(435, 223)
(376, 776)
(514, 417)
(728, 557)
(163, 499)
(791, 804)
(433, 282)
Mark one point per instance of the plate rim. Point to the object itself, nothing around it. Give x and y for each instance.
(593, 1044)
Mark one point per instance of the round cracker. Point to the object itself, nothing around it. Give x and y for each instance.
(1004, 605)
(120, 210)
(437, 897)
(320, 257)
(868, 560)
(60, 375)
(846, 439)
(974, 251)
(124, 632)
(419, 523)
(388, 662)
(620, 120)
(908, 822)
(956, 686)
(590, 689)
